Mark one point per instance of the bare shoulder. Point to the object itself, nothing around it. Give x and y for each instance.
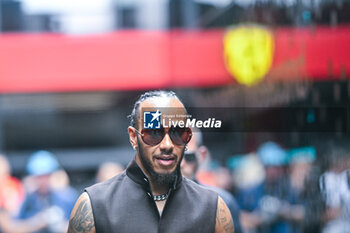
(224, 223)
(82, 218)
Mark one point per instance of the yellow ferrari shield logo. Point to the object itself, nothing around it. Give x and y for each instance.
(248, 53)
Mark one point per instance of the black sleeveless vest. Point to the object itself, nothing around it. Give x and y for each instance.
(124, 204)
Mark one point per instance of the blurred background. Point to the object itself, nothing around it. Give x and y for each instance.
(70, 72)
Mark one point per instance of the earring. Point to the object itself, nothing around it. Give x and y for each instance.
(134, 147)
(185, 148)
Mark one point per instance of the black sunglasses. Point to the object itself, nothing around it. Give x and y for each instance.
(179, 136)
(190, 157)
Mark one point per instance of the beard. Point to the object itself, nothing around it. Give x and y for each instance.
(165, 179)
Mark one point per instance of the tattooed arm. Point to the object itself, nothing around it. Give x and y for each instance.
(82, 218)
(224, 223)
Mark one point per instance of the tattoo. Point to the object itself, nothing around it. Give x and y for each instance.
(82, 221)
(222, 219)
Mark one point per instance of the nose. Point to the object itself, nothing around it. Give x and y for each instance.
(166, 145)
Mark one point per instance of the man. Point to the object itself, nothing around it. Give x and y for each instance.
(55, 205)
(335, 189)
(193, 157)
(151, 195)
(11, 194)
(9, 185)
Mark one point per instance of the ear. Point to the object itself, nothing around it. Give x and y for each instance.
(132, 136)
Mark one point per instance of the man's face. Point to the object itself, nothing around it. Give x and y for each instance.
(43, 183)
(160, 162)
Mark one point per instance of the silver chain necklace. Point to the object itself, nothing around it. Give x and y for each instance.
(161, 197)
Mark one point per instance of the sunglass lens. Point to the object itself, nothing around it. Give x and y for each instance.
(180, 136)
(190, 157)
(152, 137)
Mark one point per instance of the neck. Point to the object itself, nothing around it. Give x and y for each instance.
(158, 189)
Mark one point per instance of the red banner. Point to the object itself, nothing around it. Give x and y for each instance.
(128, 60)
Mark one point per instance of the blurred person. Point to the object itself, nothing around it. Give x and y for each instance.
(151, 195)
(300, 165)
(263, 200)
(335, 188)
(108, 170)
(60, 184)
(55, 203)
(11, 196)
(248, 171)
(11, 189)
(294, 207)
(224, 178)
(275, 187)
(205, 173)
(248, 177)
(314, 204)
(59, 179)
(195, 154)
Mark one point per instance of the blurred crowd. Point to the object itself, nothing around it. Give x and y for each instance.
(286, 191)
(269, 190)
(42, 201)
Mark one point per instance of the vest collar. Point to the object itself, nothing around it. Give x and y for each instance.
(134, 172)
